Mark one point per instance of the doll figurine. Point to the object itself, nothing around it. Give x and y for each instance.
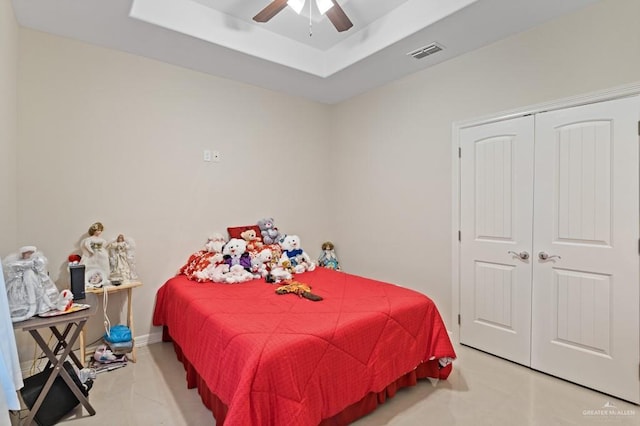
(30, 291)
(94, 252)
(122, 259)
(328, 257)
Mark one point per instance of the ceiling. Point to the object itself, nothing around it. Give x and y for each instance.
(220, 38)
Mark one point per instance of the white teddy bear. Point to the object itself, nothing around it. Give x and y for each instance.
(216, 274)
(238, 263)
(279, 274)
(237, 274)
(292, 252)
(260, 263)
(235, 253)
(215, 243)
(215, 271)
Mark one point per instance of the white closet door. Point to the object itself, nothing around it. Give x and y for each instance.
(586, 300)
(496, 219)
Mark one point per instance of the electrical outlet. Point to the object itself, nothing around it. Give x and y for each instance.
(217, 157)
(207, 155)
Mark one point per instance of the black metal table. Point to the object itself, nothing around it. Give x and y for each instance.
(62, 327)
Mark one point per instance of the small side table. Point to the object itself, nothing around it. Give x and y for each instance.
(128, 286)
(62, 350)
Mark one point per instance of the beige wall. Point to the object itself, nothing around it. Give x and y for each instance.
(8, 126)
(392, 146)
(118, 138)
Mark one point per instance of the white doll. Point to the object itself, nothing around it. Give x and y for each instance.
(122, 258)
(30, 291)
(94, 252)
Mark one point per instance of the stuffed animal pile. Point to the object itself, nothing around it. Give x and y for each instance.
(202, 266)
(273, 256)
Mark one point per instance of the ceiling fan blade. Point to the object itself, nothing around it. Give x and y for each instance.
(270, 11)
(338, 18)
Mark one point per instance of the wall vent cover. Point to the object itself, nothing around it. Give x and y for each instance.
(426, 51)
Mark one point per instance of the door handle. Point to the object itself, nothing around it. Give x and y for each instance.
(545, 256)
(523, 255)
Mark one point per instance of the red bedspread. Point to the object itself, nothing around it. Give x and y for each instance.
(281, 359)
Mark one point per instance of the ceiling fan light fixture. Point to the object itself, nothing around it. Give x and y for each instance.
(330, 8)
(324, 5)
(296, 5)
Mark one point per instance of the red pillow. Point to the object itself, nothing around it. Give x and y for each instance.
(234, 232)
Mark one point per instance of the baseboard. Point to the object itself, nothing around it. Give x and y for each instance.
(148, 339)
(144, 340)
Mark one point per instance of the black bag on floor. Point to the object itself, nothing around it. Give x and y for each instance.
(58, 402)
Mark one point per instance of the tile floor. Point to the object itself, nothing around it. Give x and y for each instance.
(482, 390)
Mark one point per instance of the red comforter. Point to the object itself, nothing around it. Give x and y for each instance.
(281, 359)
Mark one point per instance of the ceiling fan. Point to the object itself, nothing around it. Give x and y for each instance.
(331, 8)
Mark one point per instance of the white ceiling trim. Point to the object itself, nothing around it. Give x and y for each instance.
(279, 55)
(400, 23)
(199, 21)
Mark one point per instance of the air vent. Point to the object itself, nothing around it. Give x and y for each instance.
(426, 51)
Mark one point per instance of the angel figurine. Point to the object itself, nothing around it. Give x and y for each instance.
(30, 291)
(95, 256)
(122, 258)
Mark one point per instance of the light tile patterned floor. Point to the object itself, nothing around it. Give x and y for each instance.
(482, 390)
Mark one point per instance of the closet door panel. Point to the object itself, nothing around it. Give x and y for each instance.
(585, 310)
(496, 217)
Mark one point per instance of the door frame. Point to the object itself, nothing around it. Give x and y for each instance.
(589, 98)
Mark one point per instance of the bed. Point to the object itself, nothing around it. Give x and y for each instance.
(261, 358)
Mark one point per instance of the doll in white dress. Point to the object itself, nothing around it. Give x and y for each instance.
(122, 258)
(95, 256)
(30, 291)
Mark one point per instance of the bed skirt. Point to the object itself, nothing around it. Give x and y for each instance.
(353, 412)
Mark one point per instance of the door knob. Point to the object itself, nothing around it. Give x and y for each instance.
(523, 255)
(545, 256)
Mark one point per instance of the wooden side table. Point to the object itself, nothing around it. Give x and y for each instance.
(62, 350)
(128, 286)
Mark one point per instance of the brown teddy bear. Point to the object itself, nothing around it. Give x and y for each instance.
(254, 244)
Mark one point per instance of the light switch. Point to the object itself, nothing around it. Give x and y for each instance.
(207, 155)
